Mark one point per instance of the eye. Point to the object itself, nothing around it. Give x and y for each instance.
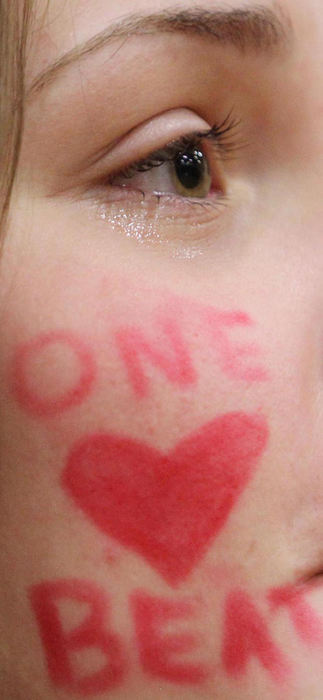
(178, 170)
(184, 168)
(191, 174)
(178, 195)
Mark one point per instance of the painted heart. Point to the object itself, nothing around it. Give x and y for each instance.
(166, 507)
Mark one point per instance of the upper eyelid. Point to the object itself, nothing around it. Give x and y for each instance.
(163, 155)
(220, 135)
(141, 141)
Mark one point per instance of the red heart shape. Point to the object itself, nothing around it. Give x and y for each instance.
(166, 507)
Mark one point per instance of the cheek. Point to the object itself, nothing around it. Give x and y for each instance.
(144, 394)
(138, 356)
(167, 507)
(52, 373)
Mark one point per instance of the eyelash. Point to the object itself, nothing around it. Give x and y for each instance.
(221, 135)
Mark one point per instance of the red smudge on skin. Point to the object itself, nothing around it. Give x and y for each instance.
(159, 650)
(166, 507)
(48, 407)
(232, 356)
(59, 645)
(176, 364)
(246, 635)
(308, 625)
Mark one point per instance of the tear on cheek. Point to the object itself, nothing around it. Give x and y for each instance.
(52, 373)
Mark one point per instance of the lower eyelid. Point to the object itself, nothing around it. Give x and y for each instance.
(182, 228)
(155, 214)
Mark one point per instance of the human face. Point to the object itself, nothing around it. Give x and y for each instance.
(161, 355)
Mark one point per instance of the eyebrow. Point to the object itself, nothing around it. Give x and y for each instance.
(257, 28)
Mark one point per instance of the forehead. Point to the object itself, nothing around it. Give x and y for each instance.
(59, 25)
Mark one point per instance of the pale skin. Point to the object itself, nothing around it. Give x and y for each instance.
(122, 315)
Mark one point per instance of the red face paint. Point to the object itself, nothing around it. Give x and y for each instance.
(308, 625)
(170, 355)
(167, 508)
(34, 402)
(233, 357)
(246, 635)
(174, 361)
(60, 645)
(160, 651)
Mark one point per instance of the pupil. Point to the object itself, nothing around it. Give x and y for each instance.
(190, 168)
